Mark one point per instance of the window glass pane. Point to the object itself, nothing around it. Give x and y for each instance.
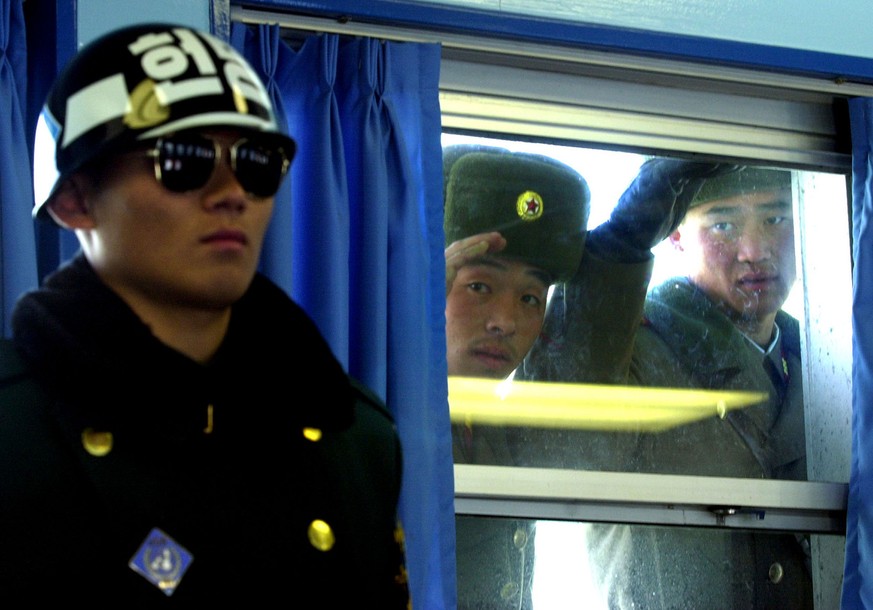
(519, 563)
(706, 376)
(635, 371)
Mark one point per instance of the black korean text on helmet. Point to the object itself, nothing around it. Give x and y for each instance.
(138, 83)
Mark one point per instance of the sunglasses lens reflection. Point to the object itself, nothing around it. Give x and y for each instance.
(260, 168)
(186, 164)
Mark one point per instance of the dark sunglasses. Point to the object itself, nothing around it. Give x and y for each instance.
(187, 162)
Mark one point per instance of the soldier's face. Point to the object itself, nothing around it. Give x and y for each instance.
(740, 251)
(494, 313)
(162, 249)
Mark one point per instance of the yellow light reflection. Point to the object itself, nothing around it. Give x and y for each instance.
(596, 407)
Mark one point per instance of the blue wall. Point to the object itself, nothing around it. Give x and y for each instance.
(842, 27)
(832, 26)
(94, 17)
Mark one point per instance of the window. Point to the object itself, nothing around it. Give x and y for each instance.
(569, 514)
(604, 113)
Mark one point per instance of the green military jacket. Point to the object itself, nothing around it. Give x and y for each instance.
(494, 555)
(601, 329)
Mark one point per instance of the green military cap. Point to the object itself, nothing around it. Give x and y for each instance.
(537, 203)
(742, 181)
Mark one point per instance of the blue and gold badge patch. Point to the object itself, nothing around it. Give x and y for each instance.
(161, 560)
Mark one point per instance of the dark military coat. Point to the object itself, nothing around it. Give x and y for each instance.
(494, 555)
(594, 335)
(686, 342)
(269, 474)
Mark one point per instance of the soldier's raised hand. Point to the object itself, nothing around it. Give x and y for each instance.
(652, 207)
(462, 251)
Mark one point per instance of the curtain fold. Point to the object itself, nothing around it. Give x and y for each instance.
(18, 271)
(277, 242)
(361, 226)
(858, 579)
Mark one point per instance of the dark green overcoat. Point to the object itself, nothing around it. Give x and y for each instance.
(601, 329)
(269, 474)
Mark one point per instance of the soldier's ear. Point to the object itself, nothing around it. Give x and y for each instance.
(68, 206)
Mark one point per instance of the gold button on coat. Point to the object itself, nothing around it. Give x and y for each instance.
(509, 591)
(321, 535)
(96, 443)
(312, 434)
(776, 573)
(519, 539)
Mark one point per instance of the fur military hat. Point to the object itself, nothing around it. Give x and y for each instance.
(740, 182)
(538, 204)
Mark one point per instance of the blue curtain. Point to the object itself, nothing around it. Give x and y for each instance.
(858, 577)
(17, 238)
(360, 225)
